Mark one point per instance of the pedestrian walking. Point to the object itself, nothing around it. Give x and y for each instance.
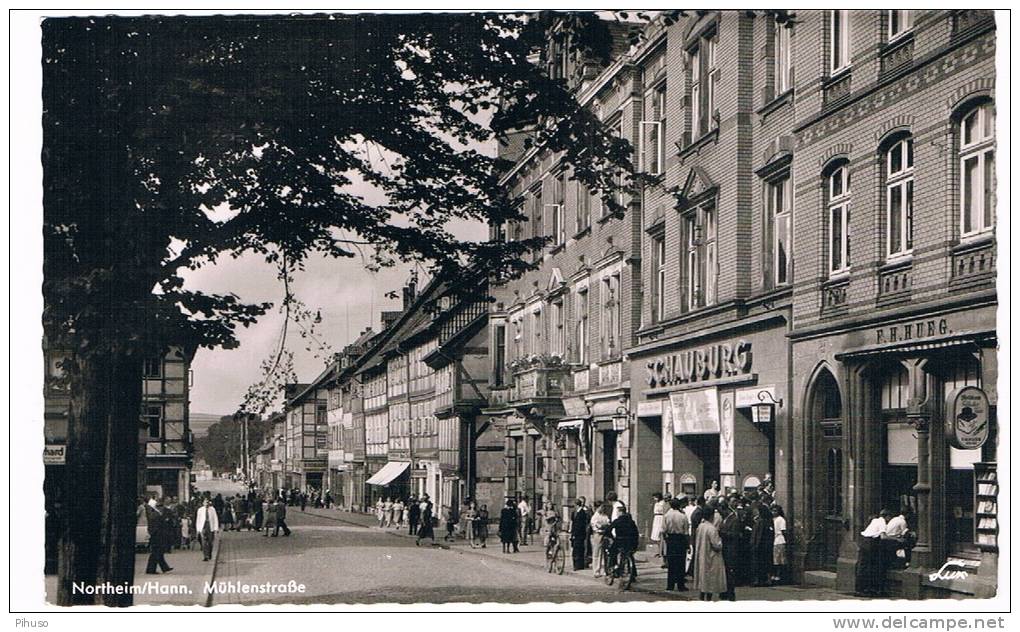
(379, 515)
(413, 515)
(599, 525)
(281, 519)
(676, 535)
(228, 516)
(659, 508)
(186, 532)
(709, 569)
(426, 529)
(398, 513)
(304, 500)
(260, 513)
(482, 525)
(207, 525)
(579, 523)
(388, 512)
(695, 518)
(730, 532)
(508, 526)
(270, 511)
(158, 525)
(329, 499)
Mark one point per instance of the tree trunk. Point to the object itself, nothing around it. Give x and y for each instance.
(81, 519)
(120, 480)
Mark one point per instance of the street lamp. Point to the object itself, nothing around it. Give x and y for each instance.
(764, 411)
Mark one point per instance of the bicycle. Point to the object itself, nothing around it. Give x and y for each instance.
(556, 557)
(625, 568)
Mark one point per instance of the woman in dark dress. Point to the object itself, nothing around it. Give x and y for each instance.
(425, 530)
(508, 526)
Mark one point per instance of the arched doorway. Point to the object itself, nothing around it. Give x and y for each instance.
(827, 492)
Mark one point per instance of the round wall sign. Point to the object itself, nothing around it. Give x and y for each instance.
(967, 417)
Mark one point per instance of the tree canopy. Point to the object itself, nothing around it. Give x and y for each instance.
(170, 141)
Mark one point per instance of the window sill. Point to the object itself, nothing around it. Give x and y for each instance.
(583, 233)
(557, 250)
(712, 136)
(974, 241)
(838, 277)
(895, 262)
(776, 103)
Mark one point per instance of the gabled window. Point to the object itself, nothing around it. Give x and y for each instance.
(700, 263)
(778, 219)
(901, 21)
(977, 171)
(839, 40)
(783, 57)
(653, 135)
(899, 204)
(838, 185)
(704, 85)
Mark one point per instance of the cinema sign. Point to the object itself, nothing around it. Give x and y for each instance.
(695, 365)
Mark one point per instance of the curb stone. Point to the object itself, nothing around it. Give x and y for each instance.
(212, 571)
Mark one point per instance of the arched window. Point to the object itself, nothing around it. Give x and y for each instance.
(838, 189)
(977, 171)
(899, 198)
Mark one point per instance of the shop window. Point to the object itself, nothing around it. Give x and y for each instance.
(977, 171)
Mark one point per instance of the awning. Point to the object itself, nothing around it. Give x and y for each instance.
(568, 424)
(390, 471)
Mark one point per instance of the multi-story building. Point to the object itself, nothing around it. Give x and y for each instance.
(806, 294)
(763, 288)
(560, 382)
(892, 162)
(346, 458)
(306, 435)
(166, 443)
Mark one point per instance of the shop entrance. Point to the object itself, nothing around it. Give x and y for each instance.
(706, 449)
(826, 409)
(609, 464)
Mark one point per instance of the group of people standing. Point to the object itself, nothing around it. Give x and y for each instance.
(730, 540)
(886, 543)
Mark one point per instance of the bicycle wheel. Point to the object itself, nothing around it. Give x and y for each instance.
(559, 559)
(626, 570)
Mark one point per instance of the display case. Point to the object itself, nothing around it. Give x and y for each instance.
(986, 506)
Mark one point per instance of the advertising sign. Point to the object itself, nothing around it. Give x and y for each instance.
(695, 412)
(54, 454)
(726, 452)
(967, 417)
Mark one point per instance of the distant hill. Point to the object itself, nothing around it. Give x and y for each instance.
(200, 422)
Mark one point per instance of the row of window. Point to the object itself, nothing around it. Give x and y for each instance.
(899, 22)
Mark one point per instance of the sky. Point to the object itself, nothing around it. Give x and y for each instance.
(348, 296)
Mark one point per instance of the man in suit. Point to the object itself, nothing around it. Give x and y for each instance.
(281, 518)
(579, 534)
(413, 515)
(207, 525)
(159, 525)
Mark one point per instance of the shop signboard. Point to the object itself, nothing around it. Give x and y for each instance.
(726, 421)
(54, 454)
(967, 417)
(695, 412)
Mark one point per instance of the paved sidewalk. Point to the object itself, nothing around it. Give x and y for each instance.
(183, 586)
(651, 576)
